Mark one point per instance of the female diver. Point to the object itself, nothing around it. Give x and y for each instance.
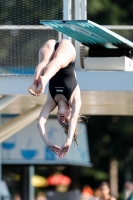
(56, 66)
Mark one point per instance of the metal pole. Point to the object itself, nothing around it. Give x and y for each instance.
(77, 44)
(77, 9)
(84, 9)
(59, 36)
(31, 188)
(67, 13)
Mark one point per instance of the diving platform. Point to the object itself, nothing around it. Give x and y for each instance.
(89, 33)
(101, 42)
(102, 93)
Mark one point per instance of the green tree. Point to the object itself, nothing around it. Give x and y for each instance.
(110, 12)
(109, 137)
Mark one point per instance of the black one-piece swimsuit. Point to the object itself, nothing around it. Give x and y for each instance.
(64, 81)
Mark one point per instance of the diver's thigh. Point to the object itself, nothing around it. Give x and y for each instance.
(65, 52)
(47, 51)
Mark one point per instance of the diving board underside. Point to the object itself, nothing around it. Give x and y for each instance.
(89, 33)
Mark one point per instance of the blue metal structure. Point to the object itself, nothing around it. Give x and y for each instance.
(89, 33)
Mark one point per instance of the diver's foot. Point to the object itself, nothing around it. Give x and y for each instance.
(41, 86)
(32, 89)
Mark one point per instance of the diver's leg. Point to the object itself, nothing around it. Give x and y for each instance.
(45, 55)
(64, 54)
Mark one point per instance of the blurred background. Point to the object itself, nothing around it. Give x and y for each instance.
(109, 144)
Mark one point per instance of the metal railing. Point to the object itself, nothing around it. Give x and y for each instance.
(125, 31)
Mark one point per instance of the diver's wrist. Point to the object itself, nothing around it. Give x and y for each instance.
(46, 141)
(69, 140)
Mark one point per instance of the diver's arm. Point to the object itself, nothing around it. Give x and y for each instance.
(41, 125)
(74, 118)
(47, 108)
(41, 128)
(72, 126)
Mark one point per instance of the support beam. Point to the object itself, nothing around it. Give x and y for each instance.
(6, 100)
(114, 177)
(19, 122)
(67, 13)
(77, 10)
(87, 80)
(18, 85)
(83, 9)
(77, 44)
(31, 187)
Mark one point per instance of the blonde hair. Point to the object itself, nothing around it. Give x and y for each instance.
(81, 118)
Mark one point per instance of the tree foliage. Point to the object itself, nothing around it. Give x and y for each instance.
(110, 12)
(110, 137)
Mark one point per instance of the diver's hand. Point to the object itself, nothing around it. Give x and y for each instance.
(54, 148)
(64, 149)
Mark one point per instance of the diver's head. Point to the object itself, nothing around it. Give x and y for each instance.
(64, 117)
(63, 114)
